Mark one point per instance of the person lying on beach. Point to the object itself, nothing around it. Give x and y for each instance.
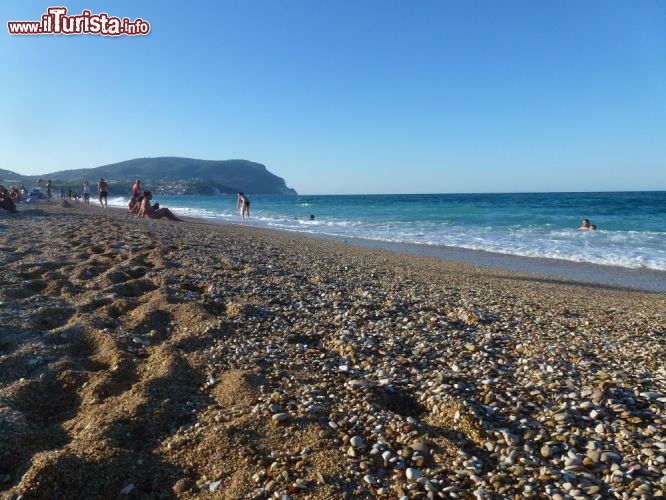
(153, 211)
(586, 226)
(15, 195)
(6, 201)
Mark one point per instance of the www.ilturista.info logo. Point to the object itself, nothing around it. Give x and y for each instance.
(57, 22)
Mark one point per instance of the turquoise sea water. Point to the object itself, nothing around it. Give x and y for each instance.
(631, 225)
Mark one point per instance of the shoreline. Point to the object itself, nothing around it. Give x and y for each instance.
(650, 280)
(641, 279)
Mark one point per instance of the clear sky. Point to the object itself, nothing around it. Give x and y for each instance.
(351, 96)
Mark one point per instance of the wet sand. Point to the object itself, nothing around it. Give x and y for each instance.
(153, 359)
(650, 280)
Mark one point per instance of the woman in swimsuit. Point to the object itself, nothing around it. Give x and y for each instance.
(244, 205)
(134, 204)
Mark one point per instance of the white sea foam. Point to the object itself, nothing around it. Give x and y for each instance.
(600, 248)
(524, 231)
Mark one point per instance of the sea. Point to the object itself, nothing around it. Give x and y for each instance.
(630, 234)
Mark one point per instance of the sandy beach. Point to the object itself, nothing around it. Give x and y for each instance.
(154, 359)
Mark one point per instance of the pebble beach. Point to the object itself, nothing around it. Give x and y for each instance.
(153, 359)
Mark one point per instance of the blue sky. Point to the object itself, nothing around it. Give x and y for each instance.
(352, 96)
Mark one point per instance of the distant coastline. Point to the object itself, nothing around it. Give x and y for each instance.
(167, 176)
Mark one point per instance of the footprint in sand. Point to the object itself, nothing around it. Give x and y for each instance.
(50, 317)
(131, 288)
(22, 290)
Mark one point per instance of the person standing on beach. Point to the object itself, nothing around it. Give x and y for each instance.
(86, 191)
(244, 205)
(136, 189)
(48, 190)
(103, 190)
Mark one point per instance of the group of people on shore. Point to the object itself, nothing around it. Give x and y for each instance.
(84, 194)
(72, 195)
(140, 205)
